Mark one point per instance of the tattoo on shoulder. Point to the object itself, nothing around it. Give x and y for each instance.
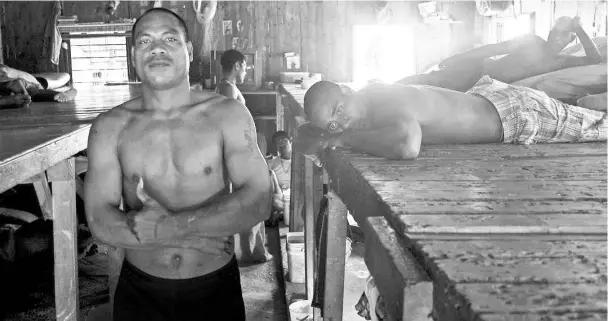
(251, 139)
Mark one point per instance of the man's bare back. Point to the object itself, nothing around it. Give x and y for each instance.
(182, 167)
(466, 118)
(393, 121)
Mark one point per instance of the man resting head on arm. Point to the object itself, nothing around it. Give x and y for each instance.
(171, 155)
(522, 57)
(392, 121)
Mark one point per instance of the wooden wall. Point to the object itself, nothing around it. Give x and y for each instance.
(591, 12)
(320, 30)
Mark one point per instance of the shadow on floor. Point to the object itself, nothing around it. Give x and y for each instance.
(262, 284)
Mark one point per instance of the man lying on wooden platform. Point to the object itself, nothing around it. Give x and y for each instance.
(188, 147)
(19, 88)
(392, 121)
(525, 56)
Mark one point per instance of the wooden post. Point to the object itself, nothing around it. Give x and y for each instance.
(65, 231)
(336, 259)
(280, 111)
(313, 183)
(43, 193)
(296, 210)
(309, 226)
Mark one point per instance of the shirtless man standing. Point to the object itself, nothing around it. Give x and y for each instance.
(234, 69)
(392, 121)
(170, 156)
(526, 56)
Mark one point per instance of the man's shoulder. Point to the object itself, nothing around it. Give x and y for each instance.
(114, 119)
(217, 105)
(531, 39)
(227, 89)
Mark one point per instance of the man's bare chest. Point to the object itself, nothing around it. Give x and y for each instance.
(170, 148)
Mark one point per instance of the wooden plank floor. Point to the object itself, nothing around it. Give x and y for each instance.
(506, 232)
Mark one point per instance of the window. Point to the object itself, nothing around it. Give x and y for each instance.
(383, 52)
(97, 60)
(97, 53)
(503, 29)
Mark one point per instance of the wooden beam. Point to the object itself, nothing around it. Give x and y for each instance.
(43, 193)
(336, 259)
(406, 288)
(296, 210)
(65, 229)
(309, 225)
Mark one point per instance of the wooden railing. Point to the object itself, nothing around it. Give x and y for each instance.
(309, 189)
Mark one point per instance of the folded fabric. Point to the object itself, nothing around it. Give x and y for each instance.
(7, 74)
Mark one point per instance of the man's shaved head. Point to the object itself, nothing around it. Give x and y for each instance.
(320, 99)
(331, 107)
(561, 34)
(161, 10)
(563, 23)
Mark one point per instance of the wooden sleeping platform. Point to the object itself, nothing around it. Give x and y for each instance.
(37, 145)
(469, 232)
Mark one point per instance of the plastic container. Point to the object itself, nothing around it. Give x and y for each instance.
(296, 258)
(295, 241)
(300, 311)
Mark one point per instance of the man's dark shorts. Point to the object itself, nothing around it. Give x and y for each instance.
(215, 296)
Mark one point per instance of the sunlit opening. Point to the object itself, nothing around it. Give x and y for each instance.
(382, 52)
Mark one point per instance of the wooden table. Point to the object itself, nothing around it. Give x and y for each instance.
(43, 139)
(472, 232)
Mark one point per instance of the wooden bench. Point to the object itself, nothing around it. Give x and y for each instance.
(473, 232)
(38, 144)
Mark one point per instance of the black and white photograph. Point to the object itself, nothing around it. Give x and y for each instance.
(296, 160)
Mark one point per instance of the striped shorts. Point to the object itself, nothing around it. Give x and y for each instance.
(530, 116)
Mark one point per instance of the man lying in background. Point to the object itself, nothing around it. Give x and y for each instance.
(18, 88)
(392, 121)
(526, 56)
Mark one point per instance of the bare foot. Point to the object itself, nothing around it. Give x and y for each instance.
(66, 95)
(15, 101)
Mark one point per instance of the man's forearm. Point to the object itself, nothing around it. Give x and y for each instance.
(115, 231)
(228, 215)
(478, 54)
(386, 142)
(593, 55)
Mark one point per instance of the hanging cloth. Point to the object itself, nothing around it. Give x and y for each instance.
(52, 37)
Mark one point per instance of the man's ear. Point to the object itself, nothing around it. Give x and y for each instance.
(238, 66)
(346, 90)
(190, 51)
(132, 56)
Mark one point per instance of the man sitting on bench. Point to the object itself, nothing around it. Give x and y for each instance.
(392, 121)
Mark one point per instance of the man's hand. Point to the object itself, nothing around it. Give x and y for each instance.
(576, 24)
(153, 223)
(448, 62)
(312, 140)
